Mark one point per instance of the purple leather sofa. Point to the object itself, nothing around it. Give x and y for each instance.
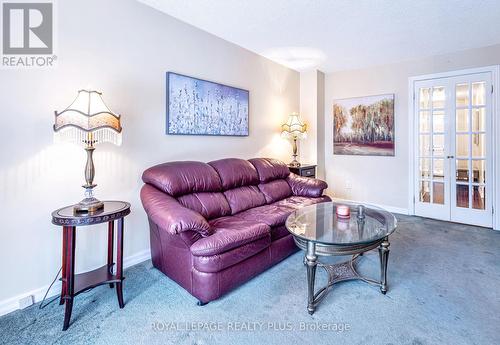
(214, 226)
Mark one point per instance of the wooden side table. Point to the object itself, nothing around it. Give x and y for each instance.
(306, 170)
(73, 284)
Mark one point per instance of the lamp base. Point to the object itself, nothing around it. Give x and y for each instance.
(88, 205)
(295, 163)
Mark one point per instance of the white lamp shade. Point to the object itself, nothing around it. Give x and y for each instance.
(294, 127)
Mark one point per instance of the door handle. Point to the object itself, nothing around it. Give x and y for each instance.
(450, 157)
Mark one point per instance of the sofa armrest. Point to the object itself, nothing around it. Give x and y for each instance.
(306, 186)
(170, 215)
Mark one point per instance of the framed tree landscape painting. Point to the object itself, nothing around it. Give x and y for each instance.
(200, 107)
(364, 126)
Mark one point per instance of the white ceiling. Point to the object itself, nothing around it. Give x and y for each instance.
(336, 35)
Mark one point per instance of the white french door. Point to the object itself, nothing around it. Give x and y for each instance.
(453, 148)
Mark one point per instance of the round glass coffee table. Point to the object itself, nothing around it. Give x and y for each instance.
(319, 231)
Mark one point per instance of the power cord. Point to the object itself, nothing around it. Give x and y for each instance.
(50, 287)
(56, 297)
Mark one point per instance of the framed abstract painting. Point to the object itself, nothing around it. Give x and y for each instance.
(364, 126)
(201, 107)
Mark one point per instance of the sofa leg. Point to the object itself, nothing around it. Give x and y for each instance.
(200, 303)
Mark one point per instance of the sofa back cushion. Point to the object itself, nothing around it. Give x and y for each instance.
(196, 185)
(180, 178)
(272, 177)
(275, 190)
(234, 172)
(209, 205)
(222, 187)
(270, 169)
(239, 180)
(243, 198)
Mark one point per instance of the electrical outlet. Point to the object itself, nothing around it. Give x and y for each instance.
(348, 184)
(26, 302)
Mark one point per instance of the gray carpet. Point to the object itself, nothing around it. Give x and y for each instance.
(444, 288)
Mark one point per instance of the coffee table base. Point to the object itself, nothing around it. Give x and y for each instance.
(342, 271)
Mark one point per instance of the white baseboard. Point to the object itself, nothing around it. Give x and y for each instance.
(391, 209)
(136, 258)
(11, 304)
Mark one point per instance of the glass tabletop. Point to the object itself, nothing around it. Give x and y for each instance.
(320, 223)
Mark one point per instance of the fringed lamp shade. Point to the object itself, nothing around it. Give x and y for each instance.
(294, 127)
(88, 119)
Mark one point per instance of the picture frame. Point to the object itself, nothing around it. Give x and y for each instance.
(196, 106)
(364, 126)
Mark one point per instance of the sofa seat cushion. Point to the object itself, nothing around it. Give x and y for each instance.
(272, 215)
(219, 262)
(296, 202)
(275, 215)
(293, 203)
(229, 233)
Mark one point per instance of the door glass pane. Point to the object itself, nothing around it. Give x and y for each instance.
(425, 98)
(462, 145)
(478, 93)
(438, 145)
(425, 167)
(469, 142)
(437, 168)
(462, 95)
(479, 171)
(478, 145)
(438, 121)
(462, 120)
(425, 145)
(438, 97)
(425, 122)
(479, 120)
(478, 197)
(462, 195)
(425, 191)
(462, 170)
(438, 192)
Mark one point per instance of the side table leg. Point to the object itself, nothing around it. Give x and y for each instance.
(63, 269)
(383, 251)
(311, 262)
(119, 263)
(70, 273)
(111, 239)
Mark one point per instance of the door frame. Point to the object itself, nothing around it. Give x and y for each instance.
(495, 109)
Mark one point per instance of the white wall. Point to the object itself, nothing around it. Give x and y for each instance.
(320, 139)
(311, 112)
(384, 180)
(308, 114)
(122, 48)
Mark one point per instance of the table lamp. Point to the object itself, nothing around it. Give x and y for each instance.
(295, 129)
(88, 121)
